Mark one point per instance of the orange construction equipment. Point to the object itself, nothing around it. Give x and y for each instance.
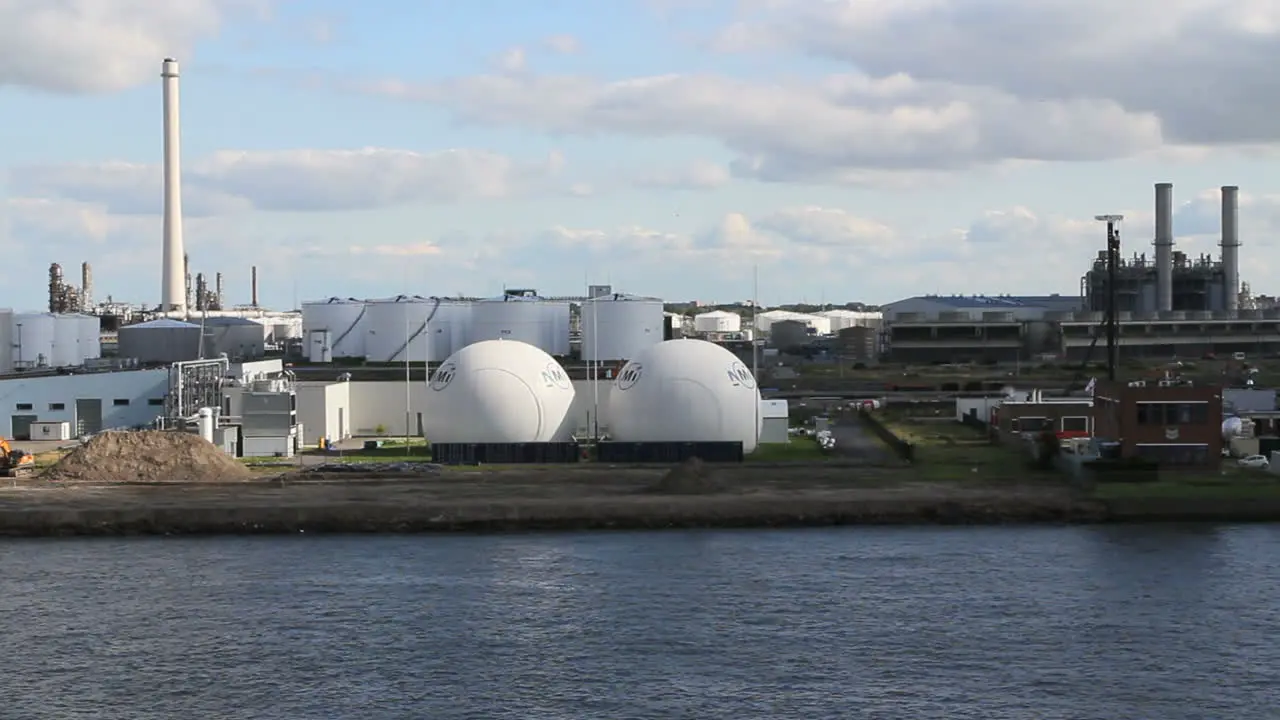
(15, 462)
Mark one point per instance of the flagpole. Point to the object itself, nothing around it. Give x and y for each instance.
(755, 364)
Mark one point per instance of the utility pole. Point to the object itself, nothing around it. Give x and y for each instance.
(1112, 317)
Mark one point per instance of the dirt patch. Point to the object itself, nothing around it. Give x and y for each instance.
(691, 477)
(148, 456)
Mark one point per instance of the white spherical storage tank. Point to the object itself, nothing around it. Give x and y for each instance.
(523, 319)
(343, 318)
(33, 339)
(396, 329)
(685, 391)
(620, 327)
(498, 391)
(717, 321)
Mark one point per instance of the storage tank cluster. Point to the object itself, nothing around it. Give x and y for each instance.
(166, 340)
(428, 329)
(43, 339)
(685, 391)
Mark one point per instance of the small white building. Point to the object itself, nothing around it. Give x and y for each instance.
(89, 402)
(775, 422)
(324, 411)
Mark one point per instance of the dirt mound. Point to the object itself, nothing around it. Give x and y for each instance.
(147, 456)
(691, 477)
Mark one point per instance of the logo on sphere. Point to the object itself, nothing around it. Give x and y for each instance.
(630, 375)
(740, 376)
(554, 376)
(443, 376)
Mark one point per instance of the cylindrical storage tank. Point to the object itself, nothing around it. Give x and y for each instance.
(240, 339)
(558, 315)
(447, 325)
(320, 347)
(6, 340)
(205, 423)
(33, 337)
(396, 329)
(1231, 427)
(717, 321)
(90, 337)
(685, 391)
(498, 391)
(620, 327)
(343, 318)
(160, 341)
(510, 318)
(997, 316)
(66, 341)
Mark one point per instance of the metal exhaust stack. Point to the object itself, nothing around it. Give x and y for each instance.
(1164, 247)
(253, 280)
(173, 288)
(1231, 246)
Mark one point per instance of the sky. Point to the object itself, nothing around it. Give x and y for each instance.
(837, 150)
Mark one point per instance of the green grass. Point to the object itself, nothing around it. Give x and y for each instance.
(1226, 484)
(798, 448)
(947, 451)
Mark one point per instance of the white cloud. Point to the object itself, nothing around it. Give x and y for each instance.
(562, 44)
(931, 86)
(295, 180)
(78, 46)
(697, 175)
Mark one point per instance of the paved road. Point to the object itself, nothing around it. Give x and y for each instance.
(854, 440)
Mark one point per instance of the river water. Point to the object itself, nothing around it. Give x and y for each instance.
(1112, 623)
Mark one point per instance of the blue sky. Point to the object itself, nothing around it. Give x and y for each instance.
(850, 150)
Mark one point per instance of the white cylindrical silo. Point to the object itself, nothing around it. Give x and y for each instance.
(343, 318)
(66, 341)
(90, 337)
(620, 327)
(33, 335)
(717, 321)
(510, 318)
(448, 327)
(396, 329)
(557, 326)
(205, 422)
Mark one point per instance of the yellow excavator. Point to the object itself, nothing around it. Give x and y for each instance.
(15, 463)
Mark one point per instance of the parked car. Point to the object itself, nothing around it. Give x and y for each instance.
(1259, 462)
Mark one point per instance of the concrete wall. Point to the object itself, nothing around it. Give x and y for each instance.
(324, 410)
(128, 398)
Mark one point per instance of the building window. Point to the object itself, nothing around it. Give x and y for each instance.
(155, 401)
(120, 402)
(1030, 424)
(57, 407)
(1173, 413)
(25, 406)
(1075, 424)
(1174, 454)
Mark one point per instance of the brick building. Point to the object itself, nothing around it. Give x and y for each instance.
(1068, 417)
(1174, 425)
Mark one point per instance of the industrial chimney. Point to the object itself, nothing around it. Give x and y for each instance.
(217, 290)
(173, 288)
(253, 280)
(86, 286)
(1231, 246)
(1164, 247)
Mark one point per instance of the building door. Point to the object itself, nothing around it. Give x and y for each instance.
(88, 416)
(21, 426)
(342, 424)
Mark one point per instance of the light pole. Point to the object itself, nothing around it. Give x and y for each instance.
(1113, 260)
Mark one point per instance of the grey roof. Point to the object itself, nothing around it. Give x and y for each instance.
(159, 324)
(1002, 302)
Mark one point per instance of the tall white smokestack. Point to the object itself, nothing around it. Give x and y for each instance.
(1231, 245)
(173, 288)
(1164, 246)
